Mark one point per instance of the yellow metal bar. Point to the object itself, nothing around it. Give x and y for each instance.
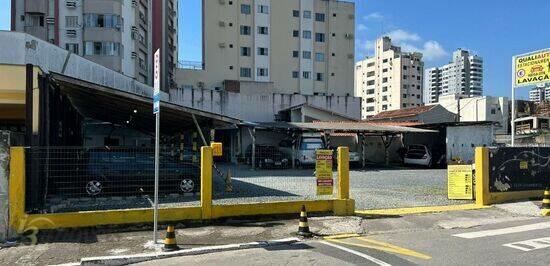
(17, 189)
(269, 208)
(417, 210)
(343, 173)
(482, 176)
(206, 182)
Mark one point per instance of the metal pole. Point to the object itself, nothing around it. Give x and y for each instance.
(513, 136)
(156, 204)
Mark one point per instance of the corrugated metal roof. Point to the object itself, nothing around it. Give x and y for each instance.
(357, 127)
(408, 112)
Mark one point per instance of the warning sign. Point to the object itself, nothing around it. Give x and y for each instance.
(532, 69)
(323, 172)
(460, 182)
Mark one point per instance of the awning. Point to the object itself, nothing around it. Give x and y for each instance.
(119, 107)
(341, 127)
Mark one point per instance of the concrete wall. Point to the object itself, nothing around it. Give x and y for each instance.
(461, 142)
(251, 105)
(4, 175)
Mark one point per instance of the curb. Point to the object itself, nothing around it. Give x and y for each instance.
(128, 259)
(420, 210)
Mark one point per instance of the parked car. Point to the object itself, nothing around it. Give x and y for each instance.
(133, 172)
(267, 156)
(307, 148)
(418, 155)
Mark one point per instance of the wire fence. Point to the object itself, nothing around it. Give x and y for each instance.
(269, 174)
(63, 179)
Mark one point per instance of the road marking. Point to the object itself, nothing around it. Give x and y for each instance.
(362, 255)
(417, 210)
(378, 245)
(532, 244)
(505, 231)
(340, 236)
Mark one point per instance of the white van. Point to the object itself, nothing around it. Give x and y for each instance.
(306, 146)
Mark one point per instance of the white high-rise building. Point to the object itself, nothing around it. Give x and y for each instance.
(540, 93)
(463, 76)
(390, 80)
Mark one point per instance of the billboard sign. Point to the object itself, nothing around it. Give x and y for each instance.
(532, 68)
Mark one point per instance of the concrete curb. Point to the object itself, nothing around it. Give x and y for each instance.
(420, 210)
(128, 259)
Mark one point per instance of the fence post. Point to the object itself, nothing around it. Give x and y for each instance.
(16, 189)
(206, 182)
(343, 173)
(482, 176)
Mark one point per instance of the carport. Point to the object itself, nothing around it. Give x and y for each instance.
(387, 133)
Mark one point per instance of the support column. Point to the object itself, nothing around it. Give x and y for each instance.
(206, 182)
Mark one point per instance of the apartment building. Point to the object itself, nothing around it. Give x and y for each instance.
(540, 93)
(297, 46)
(165, 38)
(462, 76)
(114, 33)
(391, 80)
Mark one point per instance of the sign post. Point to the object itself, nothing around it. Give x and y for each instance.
(527, 70)
(156, 111)
(323, 172)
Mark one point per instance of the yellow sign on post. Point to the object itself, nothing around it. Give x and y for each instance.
(323, 172)
(532, 69)
(217, 149)
(460, 182)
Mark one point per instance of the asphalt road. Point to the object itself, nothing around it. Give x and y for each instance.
(424, 240)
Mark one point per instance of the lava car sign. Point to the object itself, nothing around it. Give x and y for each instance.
(532, 69)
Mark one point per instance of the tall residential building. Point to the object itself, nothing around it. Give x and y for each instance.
(165, 38)
(390, 80)
(292, 46)
(114, 33)
(540, 93)
(463, 76)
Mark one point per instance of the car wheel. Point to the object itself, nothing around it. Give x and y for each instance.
(187, 185)
(94, 188)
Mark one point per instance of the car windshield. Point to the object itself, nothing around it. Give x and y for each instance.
(311, 145)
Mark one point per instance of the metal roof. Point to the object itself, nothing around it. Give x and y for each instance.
(355, 127)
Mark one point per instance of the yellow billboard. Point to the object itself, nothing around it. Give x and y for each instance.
(532, 69)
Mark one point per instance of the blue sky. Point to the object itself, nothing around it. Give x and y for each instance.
(494, 29)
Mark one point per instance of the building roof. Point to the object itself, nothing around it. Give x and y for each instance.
(408, 112)
(340, 127)
(298, 106)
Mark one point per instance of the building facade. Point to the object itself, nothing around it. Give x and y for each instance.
(391, 80)
(165, 38)
(301, 46)
(540, 93)
(462, 76)
(114, 33)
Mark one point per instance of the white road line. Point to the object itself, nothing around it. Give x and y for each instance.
(532, 244)
(504, 231)
(365, 256)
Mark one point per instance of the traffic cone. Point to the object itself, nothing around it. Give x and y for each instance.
(303, 228)
(228, 182)
(170, 240)
(545, 208)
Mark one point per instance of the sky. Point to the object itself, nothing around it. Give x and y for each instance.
(493, 29)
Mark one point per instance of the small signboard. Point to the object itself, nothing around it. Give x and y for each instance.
(156, 83)
(323, 172)
(460, 182)
(532, 69)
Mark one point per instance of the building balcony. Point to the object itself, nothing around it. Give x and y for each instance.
(36, 6)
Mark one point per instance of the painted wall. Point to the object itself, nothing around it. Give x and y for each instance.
(461, 144)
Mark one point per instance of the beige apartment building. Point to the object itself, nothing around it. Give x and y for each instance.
(294, 46)
(390, 80)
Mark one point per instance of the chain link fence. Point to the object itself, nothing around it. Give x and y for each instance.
(61, 179)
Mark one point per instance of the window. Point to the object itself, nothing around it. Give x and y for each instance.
(320, 77)
(296, 33)
(370, 100)
(246, 72)
(262, 72)
(385, 98)
(296, 13)
(370, 82)
(384, 70)
(295, 54)
(384, 89)
(245, 30)
(102, 21)
(263, 30)
(320, 17)
(35, 20)
(102, 48)
(385, 61)
(319, 37)
(72, 47)
(384, 107)
(306, 54)
(262, 51)
(306, 74)
(320, 57)
(245, 51)
(307, 14)
(371, 91)
(245, 9)
(493, 111)
(295, 74)
(370, 74)
(404, 105)
(404, 67)
(71, 22)
(306, 34)
(263, 9)
(384, 80)
(370, 109)
(405, 76)
(404, 96)
(370, 64)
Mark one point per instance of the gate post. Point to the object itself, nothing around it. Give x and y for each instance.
(482, 176)
(206, 182)
(343, 173)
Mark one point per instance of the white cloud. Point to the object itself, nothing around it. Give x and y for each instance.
(361, 27)
(433, 50)
(373, 16)
(400, 35)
